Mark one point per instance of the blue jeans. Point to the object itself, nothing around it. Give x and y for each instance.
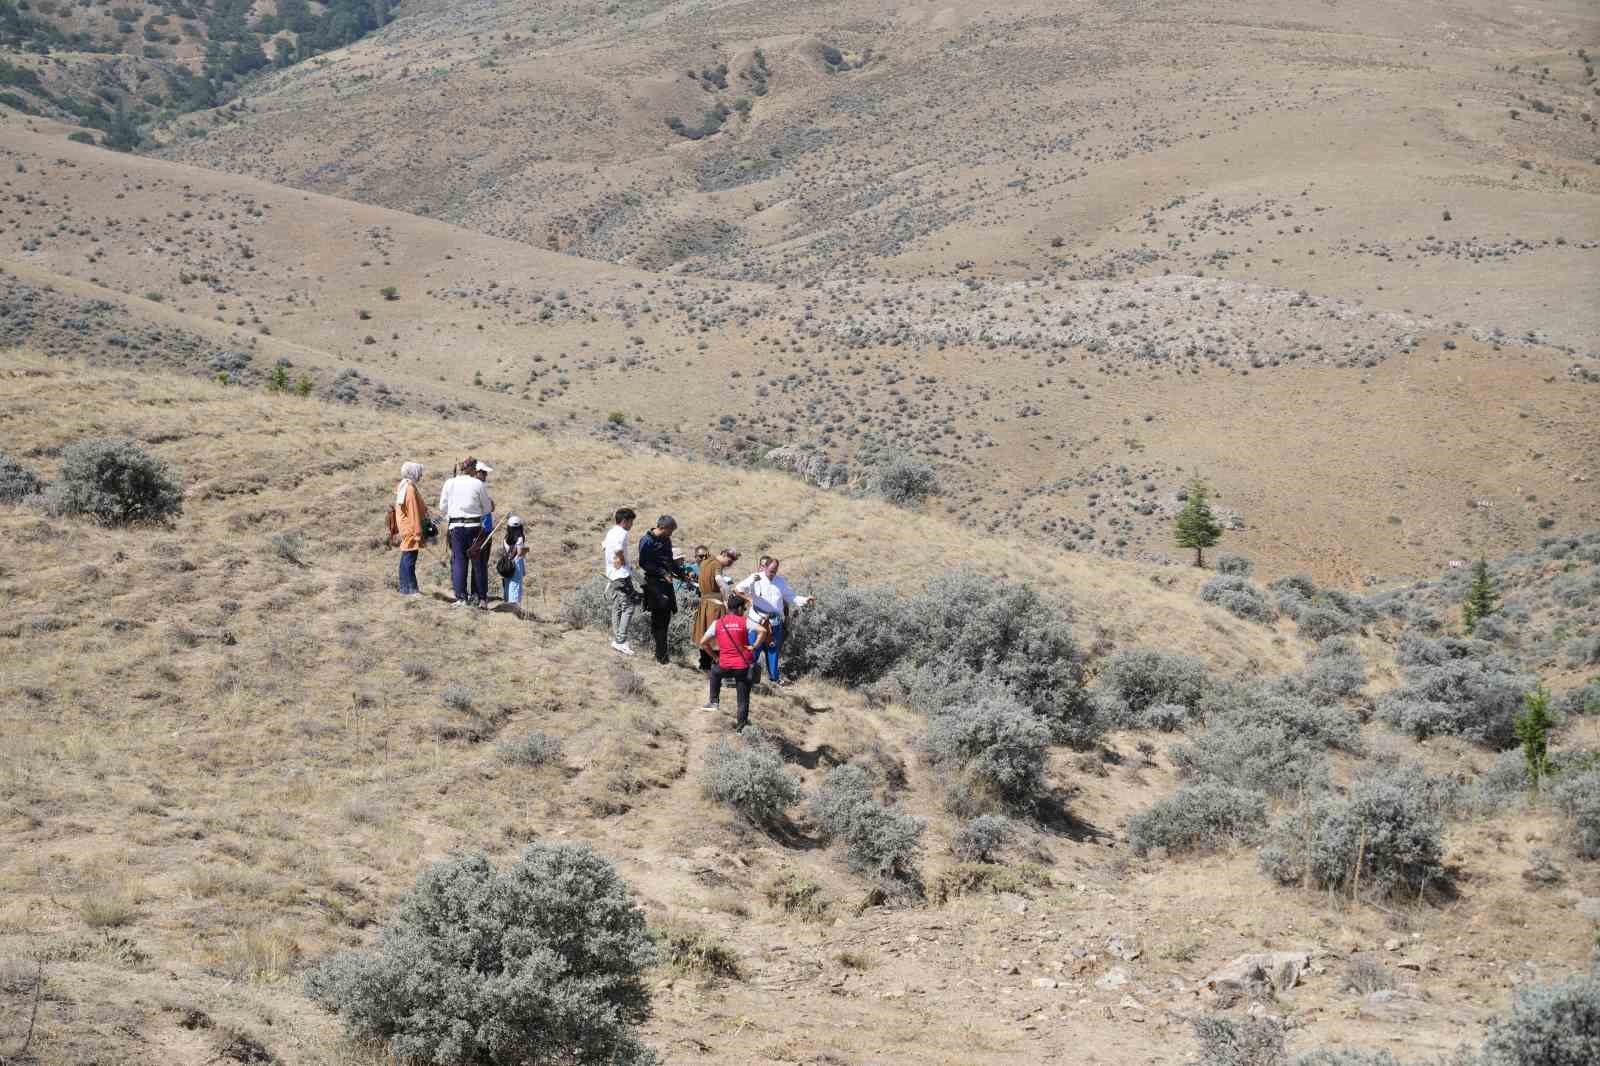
(461, 538)
(770, 651)
(515, 582)
(408, 572)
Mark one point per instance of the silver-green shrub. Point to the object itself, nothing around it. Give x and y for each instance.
(1380, 839)
(1132, 680)
(1240, 597)
(994, 744)
(1198, 818)
(540, 963)
(1549, 1025)
(1229, 1041)
(880, 841)
(1577, 797)
(17, 482)
(115, 482)
(979, 839)
(750, 778)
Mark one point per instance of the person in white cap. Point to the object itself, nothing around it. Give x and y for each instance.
(480, 551)
(511, 562)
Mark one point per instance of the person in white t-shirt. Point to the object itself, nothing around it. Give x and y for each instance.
(464, 501)
(771, 603)
(620, 593)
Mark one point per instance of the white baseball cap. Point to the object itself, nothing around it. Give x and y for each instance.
(485, 468)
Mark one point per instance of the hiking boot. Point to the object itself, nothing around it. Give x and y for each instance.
(621, 648)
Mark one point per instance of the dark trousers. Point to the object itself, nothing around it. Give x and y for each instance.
(480, 575)
(662, 603)
(408, 571)
(461, 538)
(741, 685)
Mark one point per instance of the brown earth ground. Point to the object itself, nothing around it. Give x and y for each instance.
(225, 753)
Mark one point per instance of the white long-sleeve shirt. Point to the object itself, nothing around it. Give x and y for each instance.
(767, 596)
(464, 497)
(615, 544)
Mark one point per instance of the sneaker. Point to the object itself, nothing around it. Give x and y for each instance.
(712, 707)
(458, 603)
(621, 648)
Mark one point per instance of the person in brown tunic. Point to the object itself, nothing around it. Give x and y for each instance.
(712, 586)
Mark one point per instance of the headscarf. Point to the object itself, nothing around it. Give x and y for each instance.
(409, 472)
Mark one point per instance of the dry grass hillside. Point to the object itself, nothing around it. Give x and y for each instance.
(1351, 441)
(228, 747)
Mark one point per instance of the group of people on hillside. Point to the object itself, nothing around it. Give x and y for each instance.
(738, 626)
(468, 510)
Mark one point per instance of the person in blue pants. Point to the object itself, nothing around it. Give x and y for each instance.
(771, 601)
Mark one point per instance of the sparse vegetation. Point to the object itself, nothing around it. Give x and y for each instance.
(749, 776)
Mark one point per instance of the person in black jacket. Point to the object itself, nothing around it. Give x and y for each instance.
(655, 559)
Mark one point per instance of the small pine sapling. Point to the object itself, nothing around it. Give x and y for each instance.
(1533, 728)
(1482, 599)
(1197, 526)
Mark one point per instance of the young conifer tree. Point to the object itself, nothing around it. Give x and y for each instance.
(1482, 599)
(1197, 526)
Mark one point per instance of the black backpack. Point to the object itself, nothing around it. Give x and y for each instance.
(504, 564)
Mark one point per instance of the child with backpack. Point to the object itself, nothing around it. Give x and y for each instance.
(511, 563)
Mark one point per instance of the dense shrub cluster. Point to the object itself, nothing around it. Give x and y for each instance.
(749, 777)
(1200, 817)
(906, 482)
(1320, 612)
(962, 633)
(17, 482)
(1379, 839)
(1134, 680)
(1240, 597)
(115, 482)
(1267, 736)
(1336, 669)
(1456, 687)
(540, 963)
(993, 749)
(880, 841)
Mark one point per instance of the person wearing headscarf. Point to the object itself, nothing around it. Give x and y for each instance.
(713, 585)
(409, 512)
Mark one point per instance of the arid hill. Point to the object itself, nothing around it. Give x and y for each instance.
(228, 747)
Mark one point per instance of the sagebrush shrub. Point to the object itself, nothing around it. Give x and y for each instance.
(1336, 668)
(750, 778)
(540, 962)
(979, 839)
(996, 745)
(1264, 757)
(880, 841)
(1132, 680)
(1239, 597)
(1549, 1025)
(1474, 698)
(535, 749)
(17, 482)
(1236, 565)
(1378, 840)
(1577, 797)
(1229, 1041)
(906, 482)
(961, 632)
(115, 482)
(1200, 817)
(827, 641)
